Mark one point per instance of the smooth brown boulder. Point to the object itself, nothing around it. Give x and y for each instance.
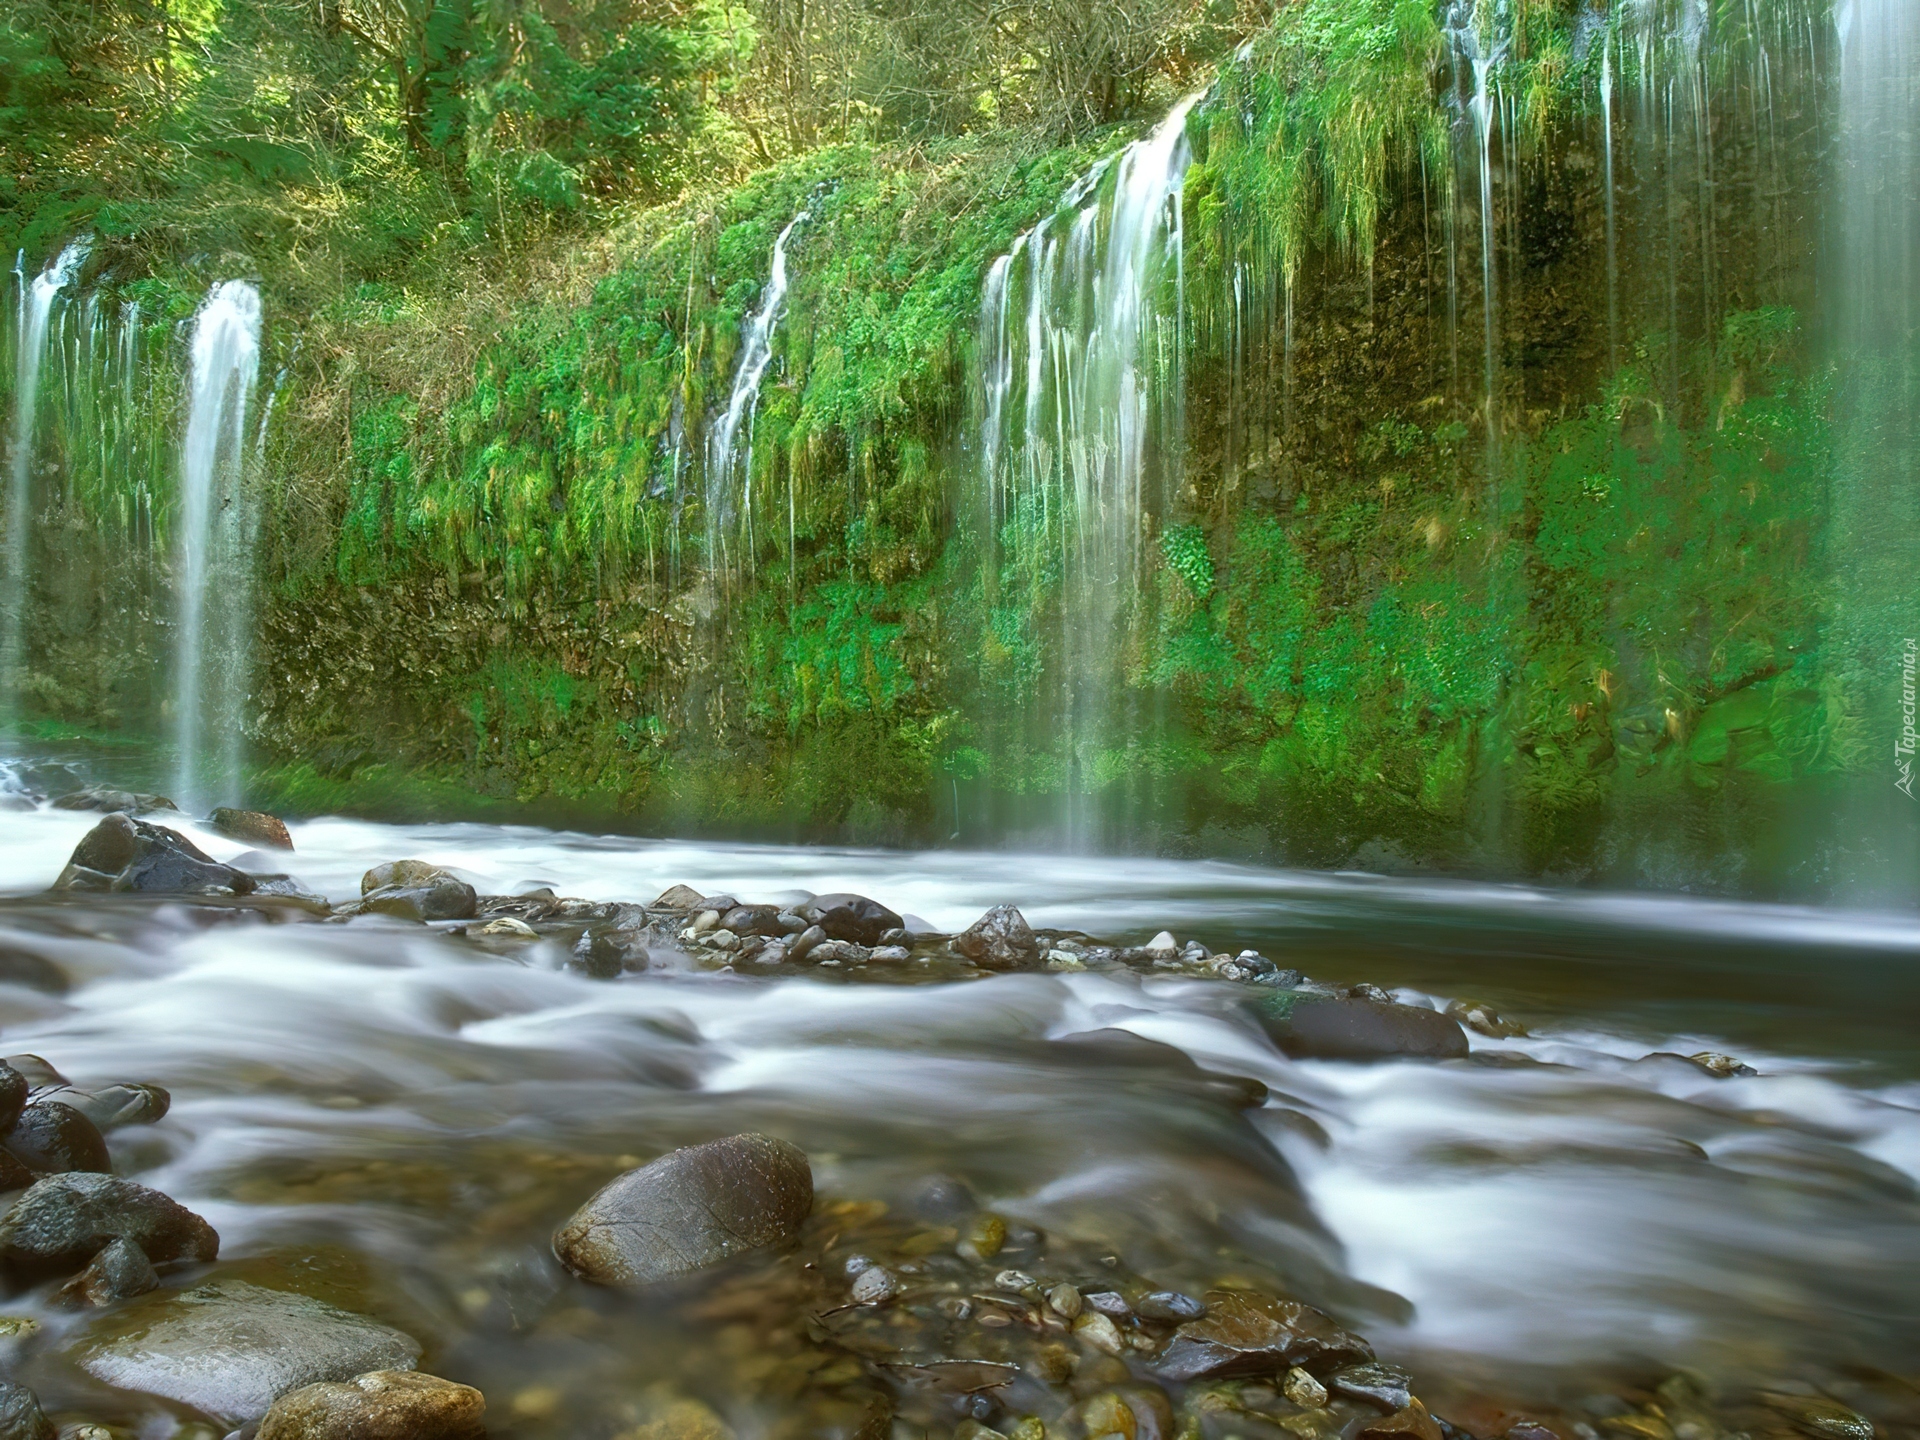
(65, 1220)
(849, 917)
(380, 1405)
(1310, 1026)
(51, 1138)
(254, 827)
(689, 1209)
(1247, 1333)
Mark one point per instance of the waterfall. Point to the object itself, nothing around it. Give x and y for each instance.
(1080, 437)
(1877, 485)
(36, 309)
(213, 640)
(724, 455)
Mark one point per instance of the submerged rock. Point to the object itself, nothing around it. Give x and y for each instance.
(65, 1220)
(231, 1349)
(689, 1209)
(253, 827)
(1310, 1026)
(1484, 1020)
(849, 917)
(1001, 939)
(119, 1272)
(113, 1106)
(380, 1405)
(603, 954)
(1247, 1333)
(51, 1138)
(1820, 1417)
(20, 1414)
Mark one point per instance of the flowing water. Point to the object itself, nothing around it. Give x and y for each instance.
(37, 299)
(1080, 437)
(213, 641)
(729, 473)
(397, 1119)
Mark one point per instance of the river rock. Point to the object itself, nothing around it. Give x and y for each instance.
(1387, 1386)
(380, 1405)
(1247, 1333)
(138, 856)
(65, 1220)
(13, 1095)
(603, 954)
(850, 917)
(252, 827)
(753, 920)
(399, 872)
(20, 1414)
(1001, 939)
(1819, 1417)
(13, 1175)
(113, 1106)
(441, 898)
(1169, 1305)
(51, 1138)
(231, 1349)
(119, 1272)
(689, 1209)
(806, 942)
(39, 1074)
(105, 797)
(1311, 1026)
(679, 898)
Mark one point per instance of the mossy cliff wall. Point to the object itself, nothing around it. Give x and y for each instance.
(1572, 627)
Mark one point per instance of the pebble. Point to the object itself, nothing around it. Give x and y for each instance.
(891, 954)
(807, 940)
(724, 940)
(509, 927)
(379, 1405)
(1302, 1389)
(854, 1264)
(1170, 1305)
(1164, 941)
(1109, 1302)
(1013, 1280)
(706, 920)
(875, 1286)
(1066, 1301)
(984, 1237)
(1100, 1332)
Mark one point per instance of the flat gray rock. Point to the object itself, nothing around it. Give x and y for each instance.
(689, 1209)
(231, 1349)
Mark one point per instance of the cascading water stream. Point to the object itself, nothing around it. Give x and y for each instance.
(1076, 472)
(36, 310)
(725, 458)
(1877, 511)
(213, 640)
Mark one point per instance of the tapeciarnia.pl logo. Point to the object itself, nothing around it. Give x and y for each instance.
(1903, 747)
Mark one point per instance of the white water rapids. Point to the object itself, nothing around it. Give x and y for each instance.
(1559, 1200)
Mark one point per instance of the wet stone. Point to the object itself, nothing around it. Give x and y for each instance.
(1817, 1416)
(875, 1285)
(1109, 1302)
(113, 1107)
(1001, 939)
(13, 1095)
(853, 918)
(51, 1138)
(443, 898)
(379, 1405)
(1302, 1389)
(1169, 1305)
(137, 856)
(104, 797)
(604, 954)
(1099, 1331)
(1309, 1026)
(1387, 1386)
(689, 1209)
(252, 827)
(64, 1221)
(680, 898)
(1247, 1333)
(231, 1349)
(119, 1272)
(20, 1415)
(1484, 1020)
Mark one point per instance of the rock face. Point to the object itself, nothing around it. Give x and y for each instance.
(20, 1415)
(231, 1349)
(64, 1221)
(1320, 1027)
(1001, 939)
(380, 1405)
(129, 854)
(850, 917)
(51, 1138)
(415, 890)
(689, 1209)
(1247, 1333)
(252, 827)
